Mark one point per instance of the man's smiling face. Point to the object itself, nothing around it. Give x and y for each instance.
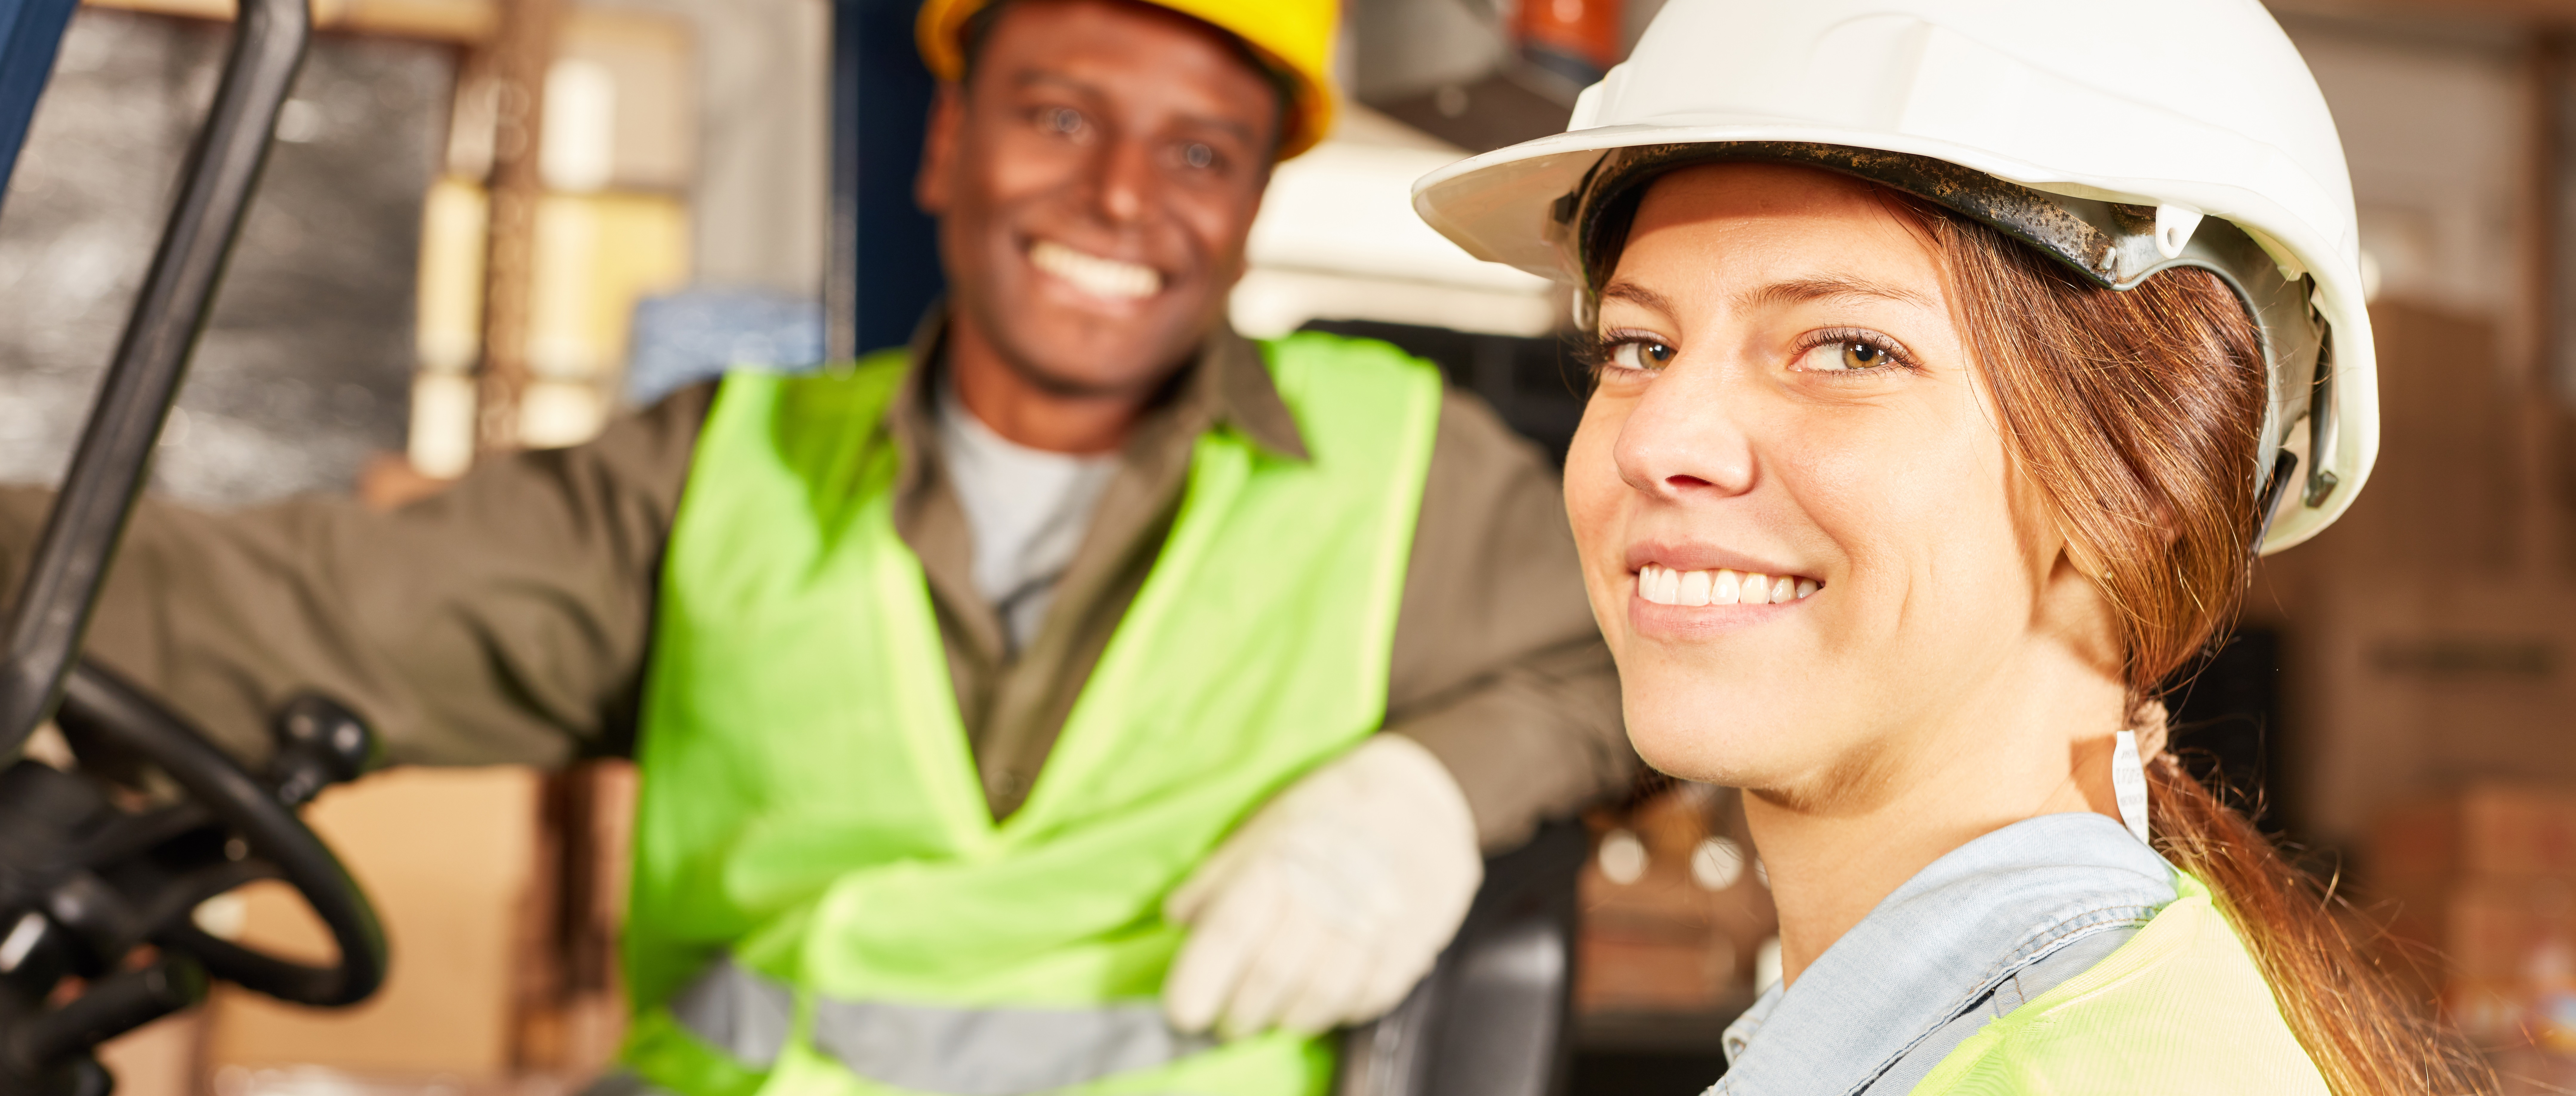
(1094, 180)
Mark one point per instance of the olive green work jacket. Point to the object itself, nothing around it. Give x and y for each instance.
(508, 619)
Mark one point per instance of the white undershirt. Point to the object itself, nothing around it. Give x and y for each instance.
(1026, 512)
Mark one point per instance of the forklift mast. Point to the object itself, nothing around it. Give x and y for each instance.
(108, 468)
(97, 892)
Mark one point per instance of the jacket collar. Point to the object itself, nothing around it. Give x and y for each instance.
(1226, 383)
(1940, 944)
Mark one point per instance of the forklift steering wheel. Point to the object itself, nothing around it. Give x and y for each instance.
(318, 743)
(98, 897)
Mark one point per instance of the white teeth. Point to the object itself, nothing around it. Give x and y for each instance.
(1097, 275)
(1661, 585)
(1695, 588)
(1665, 586)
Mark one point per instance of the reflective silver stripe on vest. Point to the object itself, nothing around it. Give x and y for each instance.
(932, 1048)
(737, 1012)
(995, 1051)
(620, 1082)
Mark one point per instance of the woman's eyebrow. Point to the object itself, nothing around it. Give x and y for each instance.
(1636, 294)
(1829, 287)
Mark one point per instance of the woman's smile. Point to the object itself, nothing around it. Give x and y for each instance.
(1675, 605)
(1678, 592)
(1720, 588)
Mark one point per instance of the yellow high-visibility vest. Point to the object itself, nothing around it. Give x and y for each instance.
(823, 902)
(2180, 1007)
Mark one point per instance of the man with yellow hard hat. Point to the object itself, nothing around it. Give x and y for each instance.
(1081, 699)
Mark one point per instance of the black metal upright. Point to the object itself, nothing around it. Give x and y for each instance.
(107, 472)
(884, 269)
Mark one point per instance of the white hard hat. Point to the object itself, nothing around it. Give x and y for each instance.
(2100, 131)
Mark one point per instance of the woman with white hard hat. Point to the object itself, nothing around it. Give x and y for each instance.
(1954, 360)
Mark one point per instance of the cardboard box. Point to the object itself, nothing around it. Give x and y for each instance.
(459, 866)
(2482, 884)
(503, 892)
(2429, 642)
(2488, 931)
(2491, 830)
(161, 1058)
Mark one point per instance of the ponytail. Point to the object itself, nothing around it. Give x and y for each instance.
(2137, 413)
(2361, 1032)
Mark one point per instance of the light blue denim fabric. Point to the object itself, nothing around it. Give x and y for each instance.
(1995, 922)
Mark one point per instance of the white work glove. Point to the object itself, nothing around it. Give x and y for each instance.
(1327, 906)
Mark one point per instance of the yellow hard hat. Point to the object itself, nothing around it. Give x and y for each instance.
(1294, 36)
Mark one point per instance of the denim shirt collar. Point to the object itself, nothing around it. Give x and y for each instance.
(1939, 945)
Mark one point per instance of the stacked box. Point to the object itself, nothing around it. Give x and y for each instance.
(459, 863)
(2483, 882)
(503, 893)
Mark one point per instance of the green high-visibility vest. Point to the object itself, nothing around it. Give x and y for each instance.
(823, 903)
(2180, 1007)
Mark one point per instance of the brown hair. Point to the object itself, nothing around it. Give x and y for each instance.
(2136, 413)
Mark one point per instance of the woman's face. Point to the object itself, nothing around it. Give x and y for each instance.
(1787, 395)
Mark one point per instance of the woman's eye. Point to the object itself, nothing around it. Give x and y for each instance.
(1860, 355)
(1641, 354)
(1062, 121)
(1849, 356)
(1198, 155)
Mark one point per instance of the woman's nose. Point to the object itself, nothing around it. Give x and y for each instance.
(1684, 439)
